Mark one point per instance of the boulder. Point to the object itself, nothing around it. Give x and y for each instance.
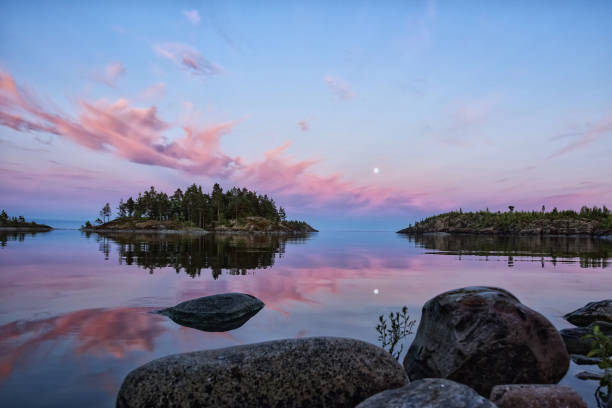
(536, 396)
(590, 313)
(430, 393)
(574, 340)
(308, 372)
(482, 337)
(216, 313)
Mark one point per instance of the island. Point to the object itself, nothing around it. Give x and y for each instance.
(235, 210)
(20, 224)
(593, 221)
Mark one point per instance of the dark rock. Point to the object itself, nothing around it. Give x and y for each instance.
(310, 372)
(590, 313)
(575, 342)
(588, 375)
(481, 337)
(536, 396)
(430, 393)
(584, 360)
(216, 313)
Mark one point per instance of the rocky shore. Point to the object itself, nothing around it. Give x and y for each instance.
(475, 347)
(248, 224)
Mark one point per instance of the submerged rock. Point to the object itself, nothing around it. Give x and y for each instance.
(536, 396)
(584, 360)
(216, 313)
(589, 375)
(574, 339)
(482, 337)
(430, 393)
(310, 372)
(590, 313)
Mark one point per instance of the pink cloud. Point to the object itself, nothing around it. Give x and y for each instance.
(110, 74)
(192, 15)
(187, 58)
(139, 135)
(304, 125)
(583, 138)
(152, 92)
(341, 89)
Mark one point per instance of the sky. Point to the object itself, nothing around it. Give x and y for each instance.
(352, 115)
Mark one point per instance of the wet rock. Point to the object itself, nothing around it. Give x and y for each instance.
(430, 393)
(584, 360)
(590, 313)
(536, 396)
(216, 313)
(309, 372)
(574, 340)
(482, 337)
(589, 375)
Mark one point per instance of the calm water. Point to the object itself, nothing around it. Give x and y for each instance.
(74, 308)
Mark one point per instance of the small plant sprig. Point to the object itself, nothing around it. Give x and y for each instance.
(602, 347)
(392, 331)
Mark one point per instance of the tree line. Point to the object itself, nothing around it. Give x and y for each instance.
(196, 207)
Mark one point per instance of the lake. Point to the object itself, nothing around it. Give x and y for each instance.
(75, 308)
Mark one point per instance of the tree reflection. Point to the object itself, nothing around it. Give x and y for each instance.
(20, 236)
(236, 254)
(590, 252)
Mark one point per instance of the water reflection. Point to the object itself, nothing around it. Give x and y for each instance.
(237, 254)
(590, 252)
(20, 236)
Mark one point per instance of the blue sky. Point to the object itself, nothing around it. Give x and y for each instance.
(467, 104)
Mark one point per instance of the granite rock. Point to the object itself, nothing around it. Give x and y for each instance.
(590, 313)
(482, 337)
(309, 372)
(536, 396)
(430, 393)
(574, 340)
(216, 313)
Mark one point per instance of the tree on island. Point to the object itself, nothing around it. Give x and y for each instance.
(105, 212)
(195, 208)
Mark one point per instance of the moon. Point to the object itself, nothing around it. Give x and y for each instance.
(375, 291)
(376, 170)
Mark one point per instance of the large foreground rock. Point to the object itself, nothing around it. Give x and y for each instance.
(216, 313)
(310, 372)
(430, 393)
(590, 313)
(481, 337)
(536, 396)
(575, 341)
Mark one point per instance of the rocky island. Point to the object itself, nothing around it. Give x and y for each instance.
(236, 210)
(593, 221)
(20, 224)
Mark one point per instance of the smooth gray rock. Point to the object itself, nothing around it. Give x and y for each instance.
(574, 340)
(309, 372)
(216, 313)
(536, 396)
(482, 337)
(590, 313)
(430, 393)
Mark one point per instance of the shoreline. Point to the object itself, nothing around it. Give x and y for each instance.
(505, 234)
(194, 232)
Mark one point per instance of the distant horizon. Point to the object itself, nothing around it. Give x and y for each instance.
(359, 116)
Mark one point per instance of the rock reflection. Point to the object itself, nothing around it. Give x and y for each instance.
(590, 252)
(236, 254)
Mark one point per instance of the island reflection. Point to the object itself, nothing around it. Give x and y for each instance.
(590, 252)
(236, 254)
(19, 236)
